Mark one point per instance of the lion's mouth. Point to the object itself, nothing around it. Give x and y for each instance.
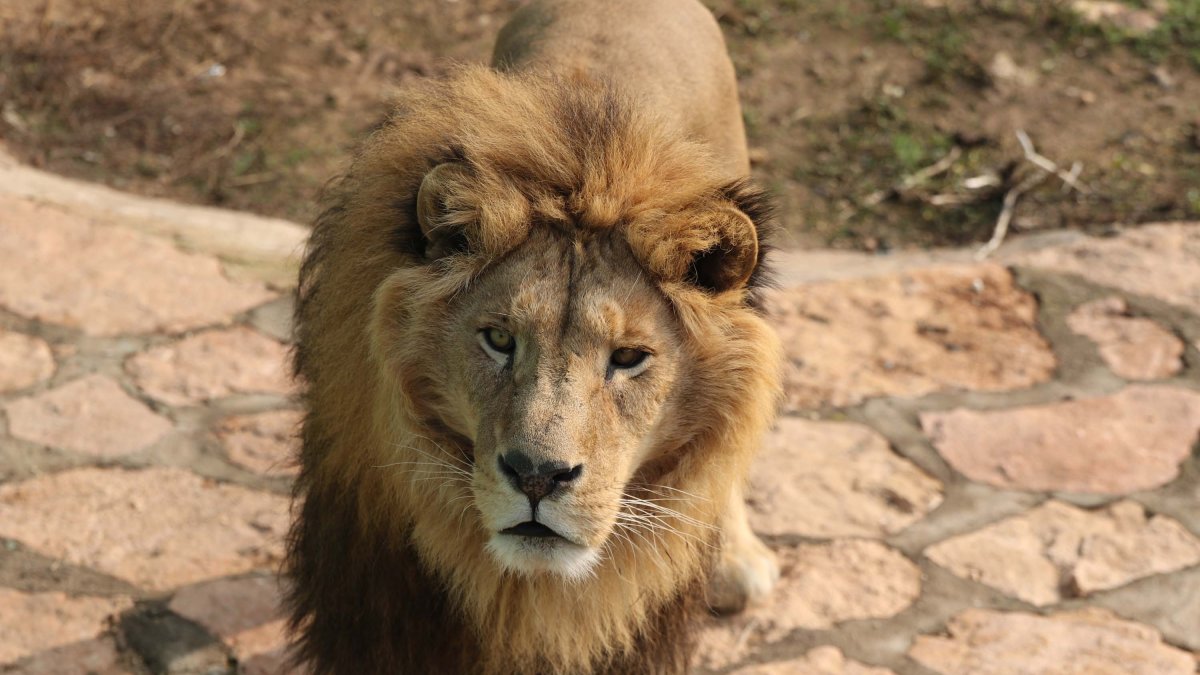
(533, 548)
(531, 528)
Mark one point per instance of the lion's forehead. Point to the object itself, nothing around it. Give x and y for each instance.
(567, 290)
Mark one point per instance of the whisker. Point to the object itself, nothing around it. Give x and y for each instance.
(425, 462)
(434, 467)
(442, 460)
(618, 533)
(441, 471)
(462, 514)
(459, 462)
(659, 523)
(659, 529)
(655, 554)
(448, 480)
(444, 450)
(663, 511)
(654, 505)
(653, 486)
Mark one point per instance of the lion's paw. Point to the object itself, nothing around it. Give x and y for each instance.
(745, 573)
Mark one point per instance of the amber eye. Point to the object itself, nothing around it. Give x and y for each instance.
(500, 340)
(627, 358)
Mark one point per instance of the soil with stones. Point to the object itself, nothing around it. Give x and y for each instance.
(255, 104)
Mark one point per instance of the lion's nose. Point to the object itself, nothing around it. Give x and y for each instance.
(536, 481)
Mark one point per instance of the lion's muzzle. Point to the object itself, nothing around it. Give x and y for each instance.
(537, 481)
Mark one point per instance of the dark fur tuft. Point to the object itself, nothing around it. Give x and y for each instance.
(366, 605)
(760, 207)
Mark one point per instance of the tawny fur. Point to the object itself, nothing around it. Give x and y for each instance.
(389, 572)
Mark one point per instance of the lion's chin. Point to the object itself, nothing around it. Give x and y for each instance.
(530, 556)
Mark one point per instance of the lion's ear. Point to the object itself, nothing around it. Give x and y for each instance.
(729, 261)
(713, 245)
(443, 210)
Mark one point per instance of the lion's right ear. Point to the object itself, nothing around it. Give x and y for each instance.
(444, 209)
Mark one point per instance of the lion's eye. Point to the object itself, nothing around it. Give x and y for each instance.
(627, 358)
(499, 340)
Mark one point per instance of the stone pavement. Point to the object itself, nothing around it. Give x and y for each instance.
(982, 468)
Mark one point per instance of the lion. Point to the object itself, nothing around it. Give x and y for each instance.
(535, 366)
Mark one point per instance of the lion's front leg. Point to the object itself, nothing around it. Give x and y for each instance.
(746, 570)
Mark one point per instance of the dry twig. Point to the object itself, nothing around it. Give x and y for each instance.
(1006, 213)
(1070, 181)
(1045, 164)
(937, 168)
(913, 180)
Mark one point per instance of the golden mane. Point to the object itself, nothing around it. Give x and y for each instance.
(391, 576)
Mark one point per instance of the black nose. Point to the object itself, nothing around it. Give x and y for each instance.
(536, 481)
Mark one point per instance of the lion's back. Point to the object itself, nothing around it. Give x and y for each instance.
(668, 54)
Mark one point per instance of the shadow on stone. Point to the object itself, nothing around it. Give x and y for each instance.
(171, 645)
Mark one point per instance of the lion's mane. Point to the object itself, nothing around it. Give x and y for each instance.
(384, 575)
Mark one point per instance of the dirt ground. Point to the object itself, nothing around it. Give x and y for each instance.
(878, 123)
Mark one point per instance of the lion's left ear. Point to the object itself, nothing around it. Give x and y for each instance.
(714, 244)
(728, 262)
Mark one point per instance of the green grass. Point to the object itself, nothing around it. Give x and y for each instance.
(1193, 198)
(1178, 32)
(871, 151)
(943, 36)
(909, 153)
(938, 37)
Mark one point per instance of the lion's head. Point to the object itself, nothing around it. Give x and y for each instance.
(528, 329)
(561, 356)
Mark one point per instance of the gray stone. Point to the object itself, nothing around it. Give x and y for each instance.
(1035, 556)
(1132, 440)
(927, 330)
(833, 479)
(1093, 641)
